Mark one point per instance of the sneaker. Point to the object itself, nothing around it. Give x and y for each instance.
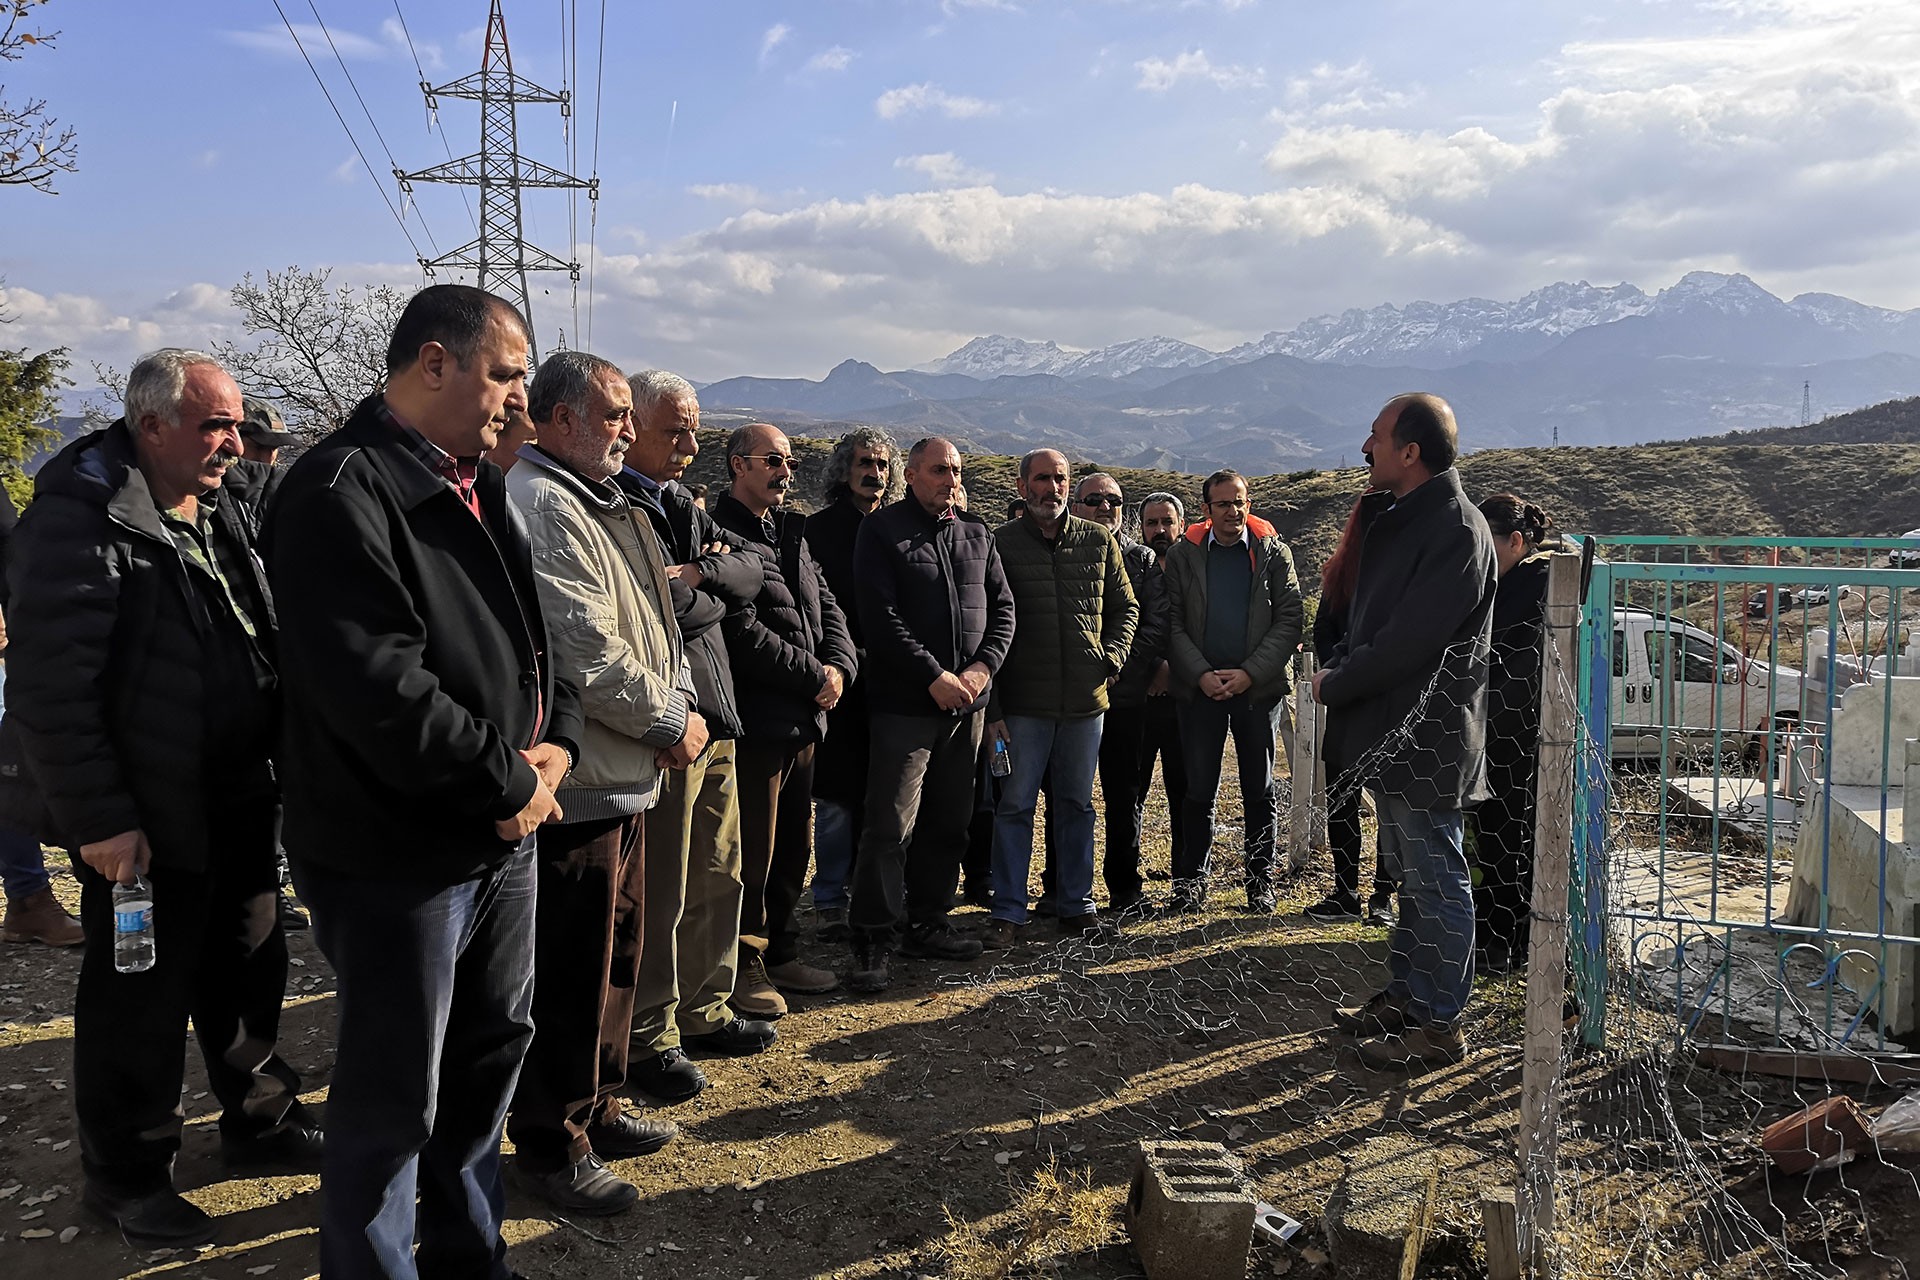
(159, 1219)
(800, 978)
(1380, 910)
(39, 917)
(833, 924)
(586, 1187)
(872, 971)
(1382, 1015)
(999, 935)
(1434, 1045)
(292, 918)
(1261, 899)
(1334, 909)
(669, 1075)
(938, 942)
(625, 1136)
(735, 1038)
(753, 991)
(1092, 926)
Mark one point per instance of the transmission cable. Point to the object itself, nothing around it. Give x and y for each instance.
(593, 198)
(433, 116)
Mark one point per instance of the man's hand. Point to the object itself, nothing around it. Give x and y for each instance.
(977, 678)
(689, 573)
(997, 732)
(688, 749)
(950, 692)
(832, 687)
(1236, 681)
(120, 857)
(1319, 676)
(541, 808)
(551, 762)
(1212, 686)
(1162, 680)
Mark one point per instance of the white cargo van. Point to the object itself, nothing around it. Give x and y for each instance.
(1675, 685)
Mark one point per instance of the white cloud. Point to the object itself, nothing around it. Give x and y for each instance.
(913, 98)
(117, 331)
(944, 169)
(740, 193)
(1326, 92)
(347, 172)
(352, 45)
(1157, 75)
(775, 36)
(837, 58)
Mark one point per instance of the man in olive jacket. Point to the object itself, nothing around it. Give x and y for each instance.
(1074, 616)
(1236, 623)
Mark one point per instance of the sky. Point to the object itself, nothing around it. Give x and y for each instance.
(786, 185)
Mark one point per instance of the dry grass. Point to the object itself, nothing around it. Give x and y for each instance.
(1055, 1216)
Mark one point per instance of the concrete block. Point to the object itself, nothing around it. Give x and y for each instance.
(1378, 1218)
(1190, 1212)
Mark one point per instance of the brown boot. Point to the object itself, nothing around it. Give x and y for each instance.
(38, 918)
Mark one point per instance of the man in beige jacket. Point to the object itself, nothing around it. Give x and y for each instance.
(603, 590)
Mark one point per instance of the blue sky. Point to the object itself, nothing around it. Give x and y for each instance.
(884, 179)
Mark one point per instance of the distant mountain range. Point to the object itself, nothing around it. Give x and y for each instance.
(1570, 363)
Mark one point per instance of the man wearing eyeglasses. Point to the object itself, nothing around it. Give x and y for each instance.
(792, 659)
(1236, 621)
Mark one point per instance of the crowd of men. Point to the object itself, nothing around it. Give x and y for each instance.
(551, 747)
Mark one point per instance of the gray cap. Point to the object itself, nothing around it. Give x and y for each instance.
(262, 425)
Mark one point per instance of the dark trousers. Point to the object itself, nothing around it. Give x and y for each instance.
(977, 862)
(586, 956)
(1344, 834)
(1204, 726)
(920, 797)
(1160, 738)
(776, 843)
(435, 996)
(1503, 850)
(1123, 800)
(220, 959)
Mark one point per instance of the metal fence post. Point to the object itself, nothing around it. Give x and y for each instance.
(1547, 950)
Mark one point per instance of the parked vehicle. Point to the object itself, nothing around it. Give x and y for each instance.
(1677, 687)
(1785, 600)
(1906, 557)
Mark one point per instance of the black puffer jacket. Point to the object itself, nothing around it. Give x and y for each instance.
(840, 766)
(728, 584)
(932, 597)
(130, 683)
(782, 646)
(1149, 584)
(252, 485)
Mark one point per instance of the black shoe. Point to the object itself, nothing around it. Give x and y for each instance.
(625, 1136)
(833, 924)
(292, 918)
(669, 1075)
(1046, 907)
(588, 1187)
(163, 1219)
(738, 1038)
(1334, 909)
(296, 1142)
(977, 896)
(872, 969)
(1138, 908)
(1092, 926)
(1380, 910)
(939, 942)
(1261, 899)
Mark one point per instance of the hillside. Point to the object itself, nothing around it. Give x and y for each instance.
(1895, 422)
(1727, 490)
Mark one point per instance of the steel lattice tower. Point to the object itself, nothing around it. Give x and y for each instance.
(500, 256)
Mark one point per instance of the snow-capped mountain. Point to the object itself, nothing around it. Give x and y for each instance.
(994, 355)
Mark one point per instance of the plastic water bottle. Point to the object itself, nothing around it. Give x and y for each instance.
(133, 926)
(1000, 764)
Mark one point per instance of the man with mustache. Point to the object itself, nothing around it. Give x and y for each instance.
(603, 588)
(1163, 520)
(860, 476)
(792, 659)
(144, 687)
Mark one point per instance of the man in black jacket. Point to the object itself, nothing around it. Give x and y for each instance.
(426, 734)
(689, 957)
(861, 474)
(144, 689)
(1409, 681)
(793, 659)
(938, 617)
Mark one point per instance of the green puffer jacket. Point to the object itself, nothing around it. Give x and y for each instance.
(1074, 615)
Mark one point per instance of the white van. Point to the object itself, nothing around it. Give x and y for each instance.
(1675, 685)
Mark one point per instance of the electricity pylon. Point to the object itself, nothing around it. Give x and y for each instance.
(500, 256)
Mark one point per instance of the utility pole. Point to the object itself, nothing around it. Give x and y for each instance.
(500, 256)
(1806, 404)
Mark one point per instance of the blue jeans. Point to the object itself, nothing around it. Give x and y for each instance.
(435, 1007)
(1072, 747)
(835, 838)
(1430, 951)
(1204, 725)
(23, 868)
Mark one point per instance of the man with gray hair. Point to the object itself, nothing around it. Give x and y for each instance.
(603, 588)
(862, 473)
(145, 691)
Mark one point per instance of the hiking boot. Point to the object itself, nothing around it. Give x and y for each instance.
(38, 917)
(1380, 910)
(586, 1187)
(1093, 927)
(736, 1038)
(999, 935)
(802, 979)
(872, 971)
(1434, 1045)
(1382, 1015)
(669, 1075)
(625, 1137)
(1334, 909)
(833, 924)
(939, 942)
(753, 991)
(159, 1219)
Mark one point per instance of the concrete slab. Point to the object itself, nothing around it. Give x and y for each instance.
(1378, 1218)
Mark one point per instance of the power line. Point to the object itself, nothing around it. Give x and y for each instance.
(433, 117)
(402, 222)
(593, 192)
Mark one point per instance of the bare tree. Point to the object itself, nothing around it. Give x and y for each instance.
(316, 350)
(33, 145)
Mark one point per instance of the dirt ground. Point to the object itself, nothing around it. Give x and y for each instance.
(849, 1148)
